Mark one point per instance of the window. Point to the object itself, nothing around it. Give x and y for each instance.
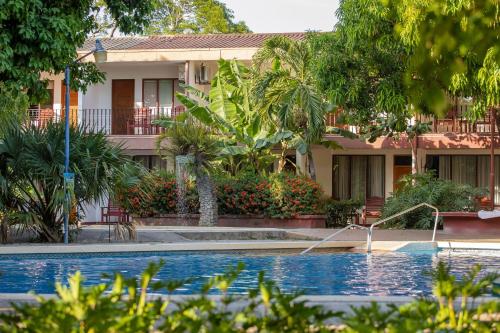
(158, 93)
(151, 162)
(47, 103)
(473, 170)
(358, 177)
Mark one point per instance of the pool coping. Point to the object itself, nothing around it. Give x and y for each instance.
(379, 246)
(165, 247)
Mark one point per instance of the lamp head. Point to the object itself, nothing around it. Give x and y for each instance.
(100, 53)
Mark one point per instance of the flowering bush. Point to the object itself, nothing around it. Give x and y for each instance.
(247, 194)
(279, 195)
(294, 195)
(155, 194)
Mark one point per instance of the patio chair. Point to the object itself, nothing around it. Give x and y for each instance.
(372, 209)
(113, 210)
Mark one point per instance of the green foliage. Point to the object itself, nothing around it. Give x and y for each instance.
(446, 195)
(193, 16)
(125, 306)
(361, 67)
(155, 193)
(455, 47)
(31, 168)
(440, 315)
(341, 213)
(286, 94)
(39, 36)
(281, 195)
(278, 195)
(13, 104)
(244, 139)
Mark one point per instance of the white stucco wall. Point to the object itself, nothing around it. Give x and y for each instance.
(99, 96)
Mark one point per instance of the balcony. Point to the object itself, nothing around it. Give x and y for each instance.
(134, 121)
(455, 122)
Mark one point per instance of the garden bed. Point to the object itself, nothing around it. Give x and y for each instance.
(303, 221)
(469, 223)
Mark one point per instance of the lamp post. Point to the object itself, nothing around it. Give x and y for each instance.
(100, 56)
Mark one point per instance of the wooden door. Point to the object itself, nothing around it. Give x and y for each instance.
(402, 167)
(73, 104)
(122, 103)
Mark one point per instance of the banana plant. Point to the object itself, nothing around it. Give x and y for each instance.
(229, 112)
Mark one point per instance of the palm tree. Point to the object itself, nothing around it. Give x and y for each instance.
(191, 139)
(31, 168)
(287, 95)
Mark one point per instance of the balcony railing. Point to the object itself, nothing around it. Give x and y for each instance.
(455, 122)
(129, 121)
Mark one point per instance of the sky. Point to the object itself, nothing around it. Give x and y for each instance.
(285, 15)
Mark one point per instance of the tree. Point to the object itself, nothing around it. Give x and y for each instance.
(31, 165)
(39, 36)
(456, 48)
(245, 140)
(195, 141)
(193, 16)
(287, 94)
(362, 68)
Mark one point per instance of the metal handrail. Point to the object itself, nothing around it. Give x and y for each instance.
(350, 225)
(370, 229)
(369, 248)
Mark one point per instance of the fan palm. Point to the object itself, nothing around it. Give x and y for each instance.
(31, 168)
(190, 138)
(287, 95)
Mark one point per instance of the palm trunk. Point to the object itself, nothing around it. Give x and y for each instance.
(311, 165)
(3, 229)
(208, 200)
(282, 160)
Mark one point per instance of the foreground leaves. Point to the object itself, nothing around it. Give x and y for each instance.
(125, 306)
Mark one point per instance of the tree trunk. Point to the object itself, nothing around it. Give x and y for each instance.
(282, 160)
(208, 199)
(414, 156)
(311, 165)
(3, 229)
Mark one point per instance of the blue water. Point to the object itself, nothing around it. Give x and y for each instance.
(343, 273)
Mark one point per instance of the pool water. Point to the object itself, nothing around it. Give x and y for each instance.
(344, 273)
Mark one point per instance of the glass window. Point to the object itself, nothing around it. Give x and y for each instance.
(358, 177)
(150, 97)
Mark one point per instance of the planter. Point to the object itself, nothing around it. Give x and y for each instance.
(303, 221)
(469, 223)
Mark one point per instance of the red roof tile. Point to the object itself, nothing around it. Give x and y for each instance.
(169, 42)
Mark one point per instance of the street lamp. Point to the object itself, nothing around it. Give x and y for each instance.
(100, 56)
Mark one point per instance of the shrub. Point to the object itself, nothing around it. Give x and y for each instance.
(294, 195)
(246, 194)
(340, 213)
(281, 195)
(125, 306)
(155, 194)
(443, 194)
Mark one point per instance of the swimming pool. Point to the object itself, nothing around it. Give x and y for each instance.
(343, 273)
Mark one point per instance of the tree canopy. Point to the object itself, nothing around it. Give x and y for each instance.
(455, 48)
(193, 16)
(43, 36)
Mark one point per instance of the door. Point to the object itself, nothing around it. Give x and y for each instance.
(122, 104)
(73, 104)
(402, 167)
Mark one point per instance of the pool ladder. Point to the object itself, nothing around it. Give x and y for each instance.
(369, 230)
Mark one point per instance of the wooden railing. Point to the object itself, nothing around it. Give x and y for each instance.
(129, 121)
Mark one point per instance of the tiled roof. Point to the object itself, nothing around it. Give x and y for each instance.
(169, 42)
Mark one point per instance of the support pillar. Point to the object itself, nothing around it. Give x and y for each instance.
(492, 158)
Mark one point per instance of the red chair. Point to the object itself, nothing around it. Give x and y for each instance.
(372, 209)
(110, 211)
